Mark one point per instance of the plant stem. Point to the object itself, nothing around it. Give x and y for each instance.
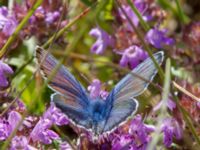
(163, 112)
(185, 91)
(181, 14)
(143, 23)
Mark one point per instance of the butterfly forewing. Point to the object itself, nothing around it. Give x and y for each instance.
(132, 86)
(63, 82)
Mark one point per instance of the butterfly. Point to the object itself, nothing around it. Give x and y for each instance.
(97, 115)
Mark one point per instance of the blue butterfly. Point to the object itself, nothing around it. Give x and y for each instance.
(98, 116)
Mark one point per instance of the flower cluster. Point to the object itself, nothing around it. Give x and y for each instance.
(171, 128)
(30, 130)
(132, 54)
(41, 24)
(137, 137)
(95, 90)
(41, 131)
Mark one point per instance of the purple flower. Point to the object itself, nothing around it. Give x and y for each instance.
(13, 119)
(9, 125)
(4, 71)
(5, 129)
(171, 128)
(140, 130)
(65, 146)
(51, 17)
(47, 136)
(40, 12)
(121, 141)
(132, 56)
(170, 104)
(55, 115)
(141, 6)
(42, 133)
(19, 142)
(137, 137)
(95, 90)
(158, 38)
(20, 106)
(103, 94)
(103, 40)
(28, 121)
(8, 23)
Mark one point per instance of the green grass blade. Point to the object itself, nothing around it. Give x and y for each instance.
(163, 110)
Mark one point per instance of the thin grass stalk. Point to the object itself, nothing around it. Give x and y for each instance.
(184, 19)
(143, 23)
(163, 110)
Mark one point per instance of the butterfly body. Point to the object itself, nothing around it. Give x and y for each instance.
(97, 115)
(96, 109)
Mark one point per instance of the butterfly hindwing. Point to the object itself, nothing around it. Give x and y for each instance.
(77, 115)
(118, 114)
(120, 102)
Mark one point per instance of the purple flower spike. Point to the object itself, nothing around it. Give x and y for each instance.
(47, 136)
(141, 6)
(51, 17)
(132, 56)
(131, 15)
(4, 71)
(95, 90)
(158, 38)
(55, 115)
(5, 130)
(21, 106)
(8, 23)
(171, 128)
(121, 142)
(19, 142)
(103, 40)
(104, 94)
(13, 119)
(137, 138)
(144, 130)
(42, 133)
